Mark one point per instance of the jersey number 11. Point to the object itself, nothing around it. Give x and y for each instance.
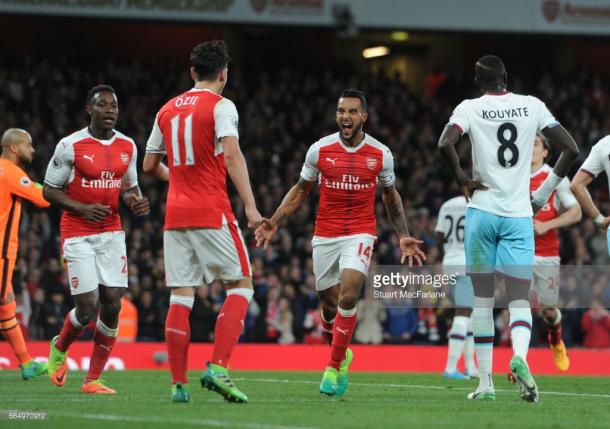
(187, 138)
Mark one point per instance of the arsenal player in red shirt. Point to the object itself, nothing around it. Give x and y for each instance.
(561, 210)
(197, 130)
(348, 166)
(89, 170)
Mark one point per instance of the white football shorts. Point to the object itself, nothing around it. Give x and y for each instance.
(96, 259)
(332, 255)
(546, 280)
(195, 256)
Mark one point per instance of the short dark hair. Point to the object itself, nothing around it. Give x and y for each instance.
(545, 144)
(490, 71)
(96, 89)
(355, 93)
(209, 59)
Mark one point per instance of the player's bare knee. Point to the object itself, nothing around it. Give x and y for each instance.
(348, 300)
(85, 314)
(111, 309)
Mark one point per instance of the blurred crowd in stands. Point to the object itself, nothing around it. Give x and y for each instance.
(282, 112)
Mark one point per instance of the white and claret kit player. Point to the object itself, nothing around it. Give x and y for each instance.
(197, 130)
(89, 171)
(450, 233)
(499, 230)
(348, 166)
(561, 210)
(598, 161)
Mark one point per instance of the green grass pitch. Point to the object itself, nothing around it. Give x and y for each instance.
(291, 400)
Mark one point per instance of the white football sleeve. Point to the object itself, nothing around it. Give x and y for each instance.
(155, 142)
(545, 117)
(386, 175)
(441, 225)
(130, 178)
(593, 164)
(566, 197)
(226, 119)
(459, 117)
(310, 171)
(61, 165)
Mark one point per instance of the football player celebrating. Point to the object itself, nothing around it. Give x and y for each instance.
(348, 166)
(202, 241)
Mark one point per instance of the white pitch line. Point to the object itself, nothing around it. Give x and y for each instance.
(420, 386)
(192, 422)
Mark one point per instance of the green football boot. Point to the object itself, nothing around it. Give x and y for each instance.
(32, 369)
(181, 392)
(57, 364)
(216, 378)
(482, 395)
(329, 386)
(528, 391)
(342, 379)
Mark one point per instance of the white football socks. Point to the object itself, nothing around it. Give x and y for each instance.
(520, 326)
(457, 339)
(483, 330)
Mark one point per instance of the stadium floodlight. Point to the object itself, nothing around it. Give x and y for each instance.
(399, 36)
(375, 51)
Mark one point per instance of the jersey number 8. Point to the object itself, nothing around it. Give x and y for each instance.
(507, 144)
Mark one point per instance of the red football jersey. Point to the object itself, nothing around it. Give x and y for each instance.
(188, 128)
(348, 182)
(548, 244)
(93, 171)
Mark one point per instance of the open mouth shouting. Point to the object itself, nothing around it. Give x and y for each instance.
(347, 128)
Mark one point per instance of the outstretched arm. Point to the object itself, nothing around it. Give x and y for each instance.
(238, 172)
(295, 197)
(409, 246)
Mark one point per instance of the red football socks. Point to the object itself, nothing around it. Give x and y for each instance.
(343, 329)
(102, 346)
(229, 326)
(69, 333)
(327, 329)
(178, 338)
(553, 333)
